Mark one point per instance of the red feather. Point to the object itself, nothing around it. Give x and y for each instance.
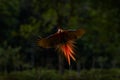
(63, 41)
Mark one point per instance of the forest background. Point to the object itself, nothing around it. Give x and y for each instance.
(97, 52)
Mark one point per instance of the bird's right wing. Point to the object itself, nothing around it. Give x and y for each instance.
(50, 41)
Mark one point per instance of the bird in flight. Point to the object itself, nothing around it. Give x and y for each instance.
(63, 41)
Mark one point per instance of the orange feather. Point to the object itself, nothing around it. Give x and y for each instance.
(63, 41)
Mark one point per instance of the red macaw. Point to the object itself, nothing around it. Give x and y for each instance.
(63, 41)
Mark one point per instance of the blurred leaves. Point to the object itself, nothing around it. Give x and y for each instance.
(23, 20)
(45, 74)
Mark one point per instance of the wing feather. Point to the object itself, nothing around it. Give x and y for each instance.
(59, 38)
(50, 41)
(73, 35)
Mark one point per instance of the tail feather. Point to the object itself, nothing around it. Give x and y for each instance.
(68, 50)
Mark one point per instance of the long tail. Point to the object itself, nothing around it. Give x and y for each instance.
(68, 50)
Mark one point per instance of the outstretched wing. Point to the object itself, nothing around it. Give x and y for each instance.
(73, 35)
(50, 41)
(59, 38)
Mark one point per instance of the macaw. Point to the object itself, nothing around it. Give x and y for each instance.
(63, 41)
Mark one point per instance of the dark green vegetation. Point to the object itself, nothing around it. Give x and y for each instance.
(97, 52)
(45, 74)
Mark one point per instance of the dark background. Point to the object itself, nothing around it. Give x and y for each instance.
(23, 21)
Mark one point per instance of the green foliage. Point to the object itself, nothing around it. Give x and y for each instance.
(26, 30)
(44, 74)
(49, 75)
(21, 21)
(9, 12)
(9, 56)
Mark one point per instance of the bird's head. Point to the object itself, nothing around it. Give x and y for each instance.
(60, 30)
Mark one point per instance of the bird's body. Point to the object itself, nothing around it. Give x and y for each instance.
(63, 41)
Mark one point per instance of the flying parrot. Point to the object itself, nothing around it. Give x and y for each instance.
(63, 41)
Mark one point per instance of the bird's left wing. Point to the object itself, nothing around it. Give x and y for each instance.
(73, 35)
